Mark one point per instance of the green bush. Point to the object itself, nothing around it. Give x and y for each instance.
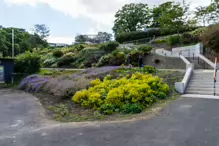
(104, 60)
(149, 69)
(160, 41)
(173, 40)
(27, 63)
(87, 57)
(135, 55)
(127, 94)
(161, 95)
(116, 58)
(80, 47)
(48, 62)
(66, 59)
(145, 49)
(57, 53)
(132, 108)
(188, 38)
(136, 35)
(110, 46)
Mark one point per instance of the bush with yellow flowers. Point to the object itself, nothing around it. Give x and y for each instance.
(127, 95)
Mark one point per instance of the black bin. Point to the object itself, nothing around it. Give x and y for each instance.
(6, 70)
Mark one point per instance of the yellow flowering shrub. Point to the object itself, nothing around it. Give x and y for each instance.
(128, 94)
(95, 82)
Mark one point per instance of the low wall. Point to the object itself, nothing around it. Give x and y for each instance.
(164, 62)
(189, 51)
(209, 62)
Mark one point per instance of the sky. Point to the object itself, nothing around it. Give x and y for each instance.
(68, 18)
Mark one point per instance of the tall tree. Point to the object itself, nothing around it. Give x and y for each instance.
(42, 30)
(81, 38)
(208, 14)
(132, 17)
(104, 36)
(169, 16)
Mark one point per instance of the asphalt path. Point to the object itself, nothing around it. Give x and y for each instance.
(185, 122)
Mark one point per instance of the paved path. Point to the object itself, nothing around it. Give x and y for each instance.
(186, 122)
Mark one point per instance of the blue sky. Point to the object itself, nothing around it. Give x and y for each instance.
(67, 18)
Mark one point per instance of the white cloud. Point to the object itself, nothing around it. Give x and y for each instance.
(100, 11)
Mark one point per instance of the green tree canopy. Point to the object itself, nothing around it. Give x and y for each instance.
(23, 41)
(42, 30)
(208, 14)
(132, 17)
(169, 15)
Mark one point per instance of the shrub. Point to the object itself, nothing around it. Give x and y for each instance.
(57, 53)
(116, 58)
(129, 95)
(79, 47)
(64, 86)
(160, 41)
(149, 69)
(66, 59)
(132, 108)
(137, 35)
(110, 46)
(198, 32)
(210, 38)
(187, 38)
(27, 63)
(104, 60)
(49, 61)
(173, 40)
(145, 49)
(135, 55)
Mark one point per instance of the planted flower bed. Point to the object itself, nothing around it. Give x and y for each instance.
(66, 85)
(101, 92)
(128, 95)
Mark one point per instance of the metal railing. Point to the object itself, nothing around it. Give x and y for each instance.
(215, 76)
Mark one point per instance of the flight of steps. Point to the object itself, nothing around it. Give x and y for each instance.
(202, 83)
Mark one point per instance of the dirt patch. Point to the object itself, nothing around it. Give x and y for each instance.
(67, 111)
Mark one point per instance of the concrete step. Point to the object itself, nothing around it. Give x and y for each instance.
(201, 92)
(202, 89)
(201, 86)
(202, 79)
(200, 76)
(202, 83)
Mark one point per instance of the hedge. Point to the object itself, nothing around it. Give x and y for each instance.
(137, 35)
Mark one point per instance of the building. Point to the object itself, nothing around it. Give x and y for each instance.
(58, 45)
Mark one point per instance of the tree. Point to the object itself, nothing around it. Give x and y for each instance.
(24, 41)
(169, 16)
(208, 14)
(81, 38)
(132, 17)
(202, 13)
(104, 36)
(42, 30)
(210, 38)
(36, 41)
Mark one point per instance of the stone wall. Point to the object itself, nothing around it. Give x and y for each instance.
(164, 62)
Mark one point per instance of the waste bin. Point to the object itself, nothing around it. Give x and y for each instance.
(6, 70)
